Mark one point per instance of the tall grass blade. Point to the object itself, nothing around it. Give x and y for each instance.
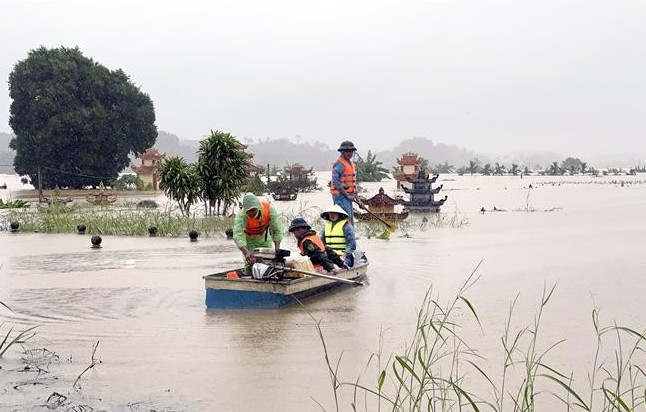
(568, 388)
(465, 300)
(616, 400)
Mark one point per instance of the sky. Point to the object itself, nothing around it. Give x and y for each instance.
(487, 76)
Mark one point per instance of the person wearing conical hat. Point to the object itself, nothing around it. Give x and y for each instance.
(310, 244)
(256, 225)
(343, 185)
(338, 233)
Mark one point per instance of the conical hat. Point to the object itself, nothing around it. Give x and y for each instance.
(334, 208)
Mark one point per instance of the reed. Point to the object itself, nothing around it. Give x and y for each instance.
(441, 371)
(113, 220)
(10, 340)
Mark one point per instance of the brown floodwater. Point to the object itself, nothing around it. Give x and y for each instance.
(142, 300)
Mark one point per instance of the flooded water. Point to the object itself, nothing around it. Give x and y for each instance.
(142, 300)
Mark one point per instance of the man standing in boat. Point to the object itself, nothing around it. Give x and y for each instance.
(256, 225)
(343, 185)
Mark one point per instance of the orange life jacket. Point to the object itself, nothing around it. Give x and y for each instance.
(348, 178)
(318, 242)
(259, 226)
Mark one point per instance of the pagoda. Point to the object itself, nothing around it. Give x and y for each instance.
(293, 179)
(151, 159)
(421, 194)
(383, 206)
(409, 166)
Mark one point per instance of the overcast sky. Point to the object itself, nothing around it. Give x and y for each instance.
(492, 77)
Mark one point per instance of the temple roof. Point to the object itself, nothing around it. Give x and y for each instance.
(149, 169)
(297, 169)
(151, 153)
(381, 199)
(409, 159)
(254, 168)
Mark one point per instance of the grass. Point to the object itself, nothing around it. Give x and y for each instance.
(126, 220)
(441, 371)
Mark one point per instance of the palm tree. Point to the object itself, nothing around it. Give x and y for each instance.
(444, 168)
(473, 166)
(222, 167)
(180, 182)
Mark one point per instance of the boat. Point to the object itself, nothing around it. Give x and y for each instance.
(284, 196)
(230, 290)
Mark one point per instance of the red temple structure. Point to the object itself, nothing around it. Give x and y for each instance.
(383, 206)
(151, 159)
(409, 166)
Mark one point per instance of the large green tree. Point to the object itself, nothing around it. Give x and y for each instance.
(75, 119)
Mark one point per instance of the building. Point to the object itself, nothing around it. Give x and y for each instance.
(409, 166)
(151, 159)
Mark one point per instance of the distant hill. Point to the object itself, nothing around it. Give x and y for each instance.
(173, 146)
(319, 155)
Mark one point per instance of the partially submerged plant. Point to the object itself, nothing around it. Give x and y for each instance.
(17, 338)
(440, 371)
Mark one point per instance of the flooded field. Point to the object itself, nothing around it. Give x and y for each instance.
(140, 301)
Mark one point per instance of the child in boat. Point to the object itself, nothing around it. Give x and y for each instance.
(310, 244)
(338, 233)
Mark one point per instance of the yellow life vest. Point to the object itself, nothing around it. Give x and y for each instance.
(334, 236)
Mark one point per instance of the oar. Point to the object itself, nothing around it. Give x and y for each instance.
(388, 225)
(320, 275)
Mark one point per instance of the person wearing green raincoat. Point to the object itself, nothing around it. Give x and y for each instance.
(256, 225)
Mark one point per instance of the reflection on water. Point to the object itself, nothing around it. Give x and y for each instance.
(143, 298)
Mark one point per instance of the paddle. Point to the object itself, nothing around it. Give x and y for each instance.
(388, 225)
(320, 275)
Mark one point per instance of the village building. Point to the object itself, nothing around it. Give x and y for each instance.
(151, 159)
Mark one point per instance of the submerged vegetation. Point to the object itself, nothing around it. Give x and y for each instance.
(439, 370)
(112, 220)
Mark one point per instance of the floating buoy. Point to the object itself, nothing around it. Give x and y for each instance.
(13, 227)
(152, 231)
(81, 229)
(193, 234)
(96, 241)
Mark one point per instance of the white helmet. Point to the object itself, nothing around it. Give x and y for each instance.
(334, 209)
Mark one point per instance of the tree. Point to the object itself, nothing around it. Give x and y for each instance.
(443, 168)
(370, 169)
(180, 182)
(222, 167)
(474, 166)
(128, 182)
(498, 169)
(572, 164)
(554, 169)
(75, 119)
